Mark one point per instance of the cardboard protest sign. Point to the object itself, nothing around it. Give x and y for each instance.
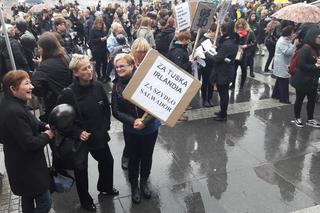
(183, 16)
(204, 16)
(161, 88)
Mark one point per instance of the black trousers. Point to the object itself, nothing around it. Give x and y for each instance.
(271, 50)
(281, 89)
(206, 87)
(300, 95)
(243, 67)
(140, 150)
(101, 60)
(223, 91)
(105, 180)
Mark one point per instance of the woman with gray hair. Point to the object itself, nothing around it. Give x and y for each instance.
(90, 100)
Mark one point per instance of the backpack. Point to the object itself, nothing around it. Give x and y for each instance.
(294, 59)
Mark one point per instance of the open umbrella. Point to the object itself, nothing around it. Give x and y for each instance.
(38, 8)
(299, 13)
(33, 1)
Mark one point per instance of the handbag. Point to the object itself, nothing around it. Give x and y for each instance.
(58, 182)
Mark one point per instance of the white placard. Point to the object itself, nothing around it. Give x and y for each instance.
(207, 45)
(183, 16)
(162, 88)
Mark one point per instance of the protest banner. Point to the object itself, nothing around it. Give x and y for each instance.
(183, 18)
(161, 88)
(204, 16)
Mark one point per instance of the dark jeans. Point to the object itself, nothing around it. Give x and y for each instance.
(300, 95)
(140, 149)
(243, 67)
(105, 180)
(101, 60)
(224, 98)
(43, 203)
(250, 62)
(271, 49)
(206, 87)
(281, 89)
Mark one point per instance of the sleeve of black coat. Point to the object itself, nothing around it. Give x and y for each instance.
(22, 133)
(121, 116)
(106, 105)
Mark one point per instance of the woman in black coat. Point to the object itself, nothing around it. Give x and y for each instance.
(223, 63)
(89, 99)
(305, 80)
(53, 73)
(98, 46)
(24, 139)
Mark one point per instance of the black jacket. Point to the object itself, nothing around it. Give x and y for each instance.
(51, 77)
(223, 71)
(127, 112)
(97, 46)
(18, 55)
(93, 112)
(67, 42)
(307, 74)
(179, 55)
(163, 39)
(251, 42)
(23, 143)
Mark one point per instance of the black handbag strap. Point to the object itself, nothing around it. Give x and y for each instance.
(75, 102)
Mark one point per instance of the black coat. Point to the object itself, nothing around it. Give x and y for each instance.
(23, 143)
(51, 77)
(18, 55)
(97, 46)
(163, 39)
(179, 55)
(223, 71)
(125, 111)
(93, 112)
(307, 74)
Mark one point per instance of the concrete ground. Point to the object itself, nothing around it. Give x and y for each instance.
(256, 162)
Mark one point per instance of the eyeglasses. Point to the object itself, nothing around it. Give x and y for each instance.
(122, 66)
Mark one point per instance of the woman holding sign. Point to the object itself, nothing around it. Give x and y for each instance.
(140, 134)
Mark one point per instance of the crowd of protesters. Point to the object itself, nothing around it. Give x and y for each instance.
(66, 54)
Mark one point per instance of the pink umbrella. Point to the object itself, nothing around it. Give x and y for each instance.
(299, 13)
(38, 8)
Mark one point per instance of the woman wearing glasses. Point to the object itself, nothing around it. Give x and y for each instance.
(140, 134)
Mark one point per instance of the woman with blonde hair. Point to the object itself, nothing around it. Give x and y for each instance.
(146, 32)
(92, 106)
(248, 46)
(139, 49)
(140, 134)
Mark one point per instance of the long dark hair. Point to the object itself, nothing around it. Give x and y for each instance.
(50, 45)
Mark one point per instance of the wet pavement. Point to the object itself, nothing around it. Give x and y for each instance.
(256, 162)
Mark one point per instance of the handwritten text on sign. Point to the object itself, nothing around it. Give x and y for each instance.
(162, 88)
(183, 16)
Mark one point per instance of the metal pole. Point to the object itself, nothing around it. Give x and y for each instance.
(4, 30)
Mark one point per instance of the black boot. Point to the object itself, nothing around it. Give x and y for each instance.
(135, 192)
(251, 74)
(145, 190)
